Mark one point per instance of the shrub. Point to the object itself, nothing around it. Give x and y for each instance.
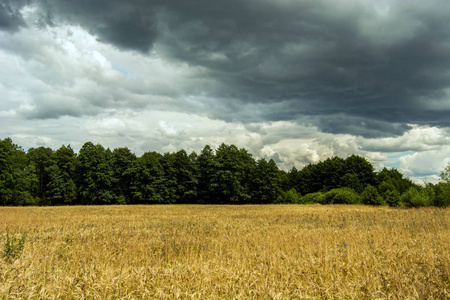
(341, 196)
(291, 196)
(370, 196)
(416, 198)
(442, 195)
(312, 198)
(392, 197)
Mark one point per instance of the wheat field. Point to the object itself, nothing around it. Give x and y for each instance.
(225, 252)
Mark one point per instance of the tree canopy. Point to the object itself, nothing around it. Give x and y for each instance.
(226, 175)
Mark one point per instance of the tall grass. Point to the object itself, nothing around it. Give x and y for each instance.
(226, 252)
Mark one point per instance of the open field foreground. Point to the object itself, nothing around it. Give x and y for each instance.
(225, 252)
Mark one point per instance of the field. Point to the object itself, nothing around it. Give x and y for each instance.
(224, 252)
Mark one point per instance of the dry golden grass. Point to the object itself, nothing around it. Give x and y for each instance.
(227, 252)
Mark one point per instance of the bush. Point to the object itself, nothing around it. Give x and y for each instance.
(416, 198)
(442, 195)
(341, 196)
(389, 193)
(291, 196)
(370, 196)
(392, 198)
(312, 198)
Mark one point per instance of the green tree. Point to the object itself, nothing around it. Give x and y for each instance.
(42, 158)
(291, 180)
(307, 180)
(125, 176)
(362, 168)
(442, 194)
(66, 160)
(443, 189)
(355, 172)
(389, 193)
(330, 173)
(95, 175)
(395, 179)
(351, 180)
(207, 165)
(323, 176)
(150, 178)
(370, 196)
(61, 187)
(186, 177)
(230, 183)
(7, 171)
(180, 178)
(26, 181)
(445, 180)
(266, 182)
(18, 181)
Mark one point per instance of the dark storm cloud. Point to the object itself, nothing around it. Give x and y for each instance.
(361, 126)
(128, 25)
(361, 67)
(10, 17)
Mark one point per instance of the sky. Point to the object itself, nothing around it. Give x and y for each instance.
(298, 81)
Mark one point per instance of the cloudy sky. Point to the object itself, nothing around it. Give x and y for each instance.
(294, 80)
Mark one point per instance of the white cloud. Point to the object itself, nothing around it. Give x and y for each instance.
(425, 164)
(419, 138)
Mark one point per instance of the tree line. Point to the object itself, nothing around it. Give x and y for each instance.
(226, 175)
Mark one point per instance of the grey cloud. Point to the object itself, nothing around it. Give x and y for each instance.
(368, 128)
(45, 19)
(10, 17)
(352, 66)
(127, 25)
(52, 111)
(317, 56)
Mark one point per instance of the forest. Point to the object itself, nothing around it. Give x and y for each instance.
(227, 175)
